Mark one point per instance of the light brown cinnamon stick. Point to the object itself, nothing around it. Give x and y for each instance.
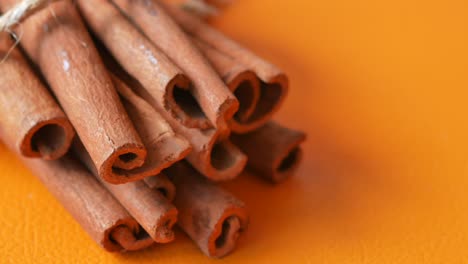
(57, 41)
(243, 83)
(212, 217)
(214, 98)
(149, 207)
(163, 146)
(273, 151)
(163, 185)
(30, 120)
(164, 81)
(92, 206)
(274, 83)
(212, 153)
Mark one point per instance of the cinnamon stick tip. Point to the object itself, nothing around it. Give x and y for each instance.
(163, 232)
(227, 231)
(287, 163)
(226, 161)
(50, 139)
(126, 157)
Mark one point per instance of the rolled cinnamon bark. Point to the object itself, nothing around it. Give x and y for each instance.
(243, 83)
(149, 207)
(144, 61)
(212, 153)
(92, 206)
(215, 99)
(58, 42)
(274, 83)
(273, 151)
(212, 217)
(163, 185)
(31, 122)
(163, 146)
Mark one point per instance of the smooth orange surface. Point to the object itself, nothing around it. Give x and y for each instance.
(380, 87)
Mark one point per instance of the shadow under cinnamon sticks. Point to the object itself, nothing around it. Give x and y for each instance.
(31, 122)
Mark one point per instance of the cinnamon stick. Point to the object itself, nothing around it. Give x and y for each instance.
(92, 206)
(212, 153)
(273, 151)
(163, 185)
(163, 146)
(31, 122)
(213, 218)
(149, 207)
(58, 42)
(215, 99)
(243, 83)
(274, 83)
(144, 61)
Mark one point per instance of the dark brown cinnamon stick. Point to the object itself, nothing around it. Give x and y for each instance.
(274, 83)
(57, 41)
(212, 217)
(163, 185)
(31, 122)
(212, 153)
(273, 151)
(214, 98)
(93, 207)
(164, 81)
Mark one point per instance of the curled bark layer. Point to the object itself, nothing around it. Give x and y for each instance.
(215, 99)
(31, 121)
(213, 218)
(273, 151)
(58, 42)
(274, 83)
(144, 61)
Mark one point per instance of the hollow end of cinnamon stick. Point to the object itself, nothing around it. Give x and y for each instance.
(163, 185)
(164, 232)
(49, 139)
(183, 106)
(125, 238)
(273, 93)
(274, 152)
(226, 161)
(223, 239)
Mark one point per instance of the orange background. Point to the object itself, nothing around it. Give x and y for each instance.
(381, 89)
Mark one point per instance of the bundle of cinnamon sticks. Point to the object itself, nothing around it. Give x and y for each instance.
(130, 111)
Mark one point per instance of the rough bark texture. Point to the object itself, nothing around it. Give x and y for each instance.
(214, 98)
(58, 42)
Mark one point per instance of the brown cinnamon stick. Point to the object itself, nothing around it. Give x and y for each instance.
(214, 98)
(212, 153)
(163, 146)
(31, 122)
(57, 41)
(163, 185)
(274, 83)
(212, 217)
(144, 61)
(149, 207)
(273, 150)
(92, 206)
(243, 83)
